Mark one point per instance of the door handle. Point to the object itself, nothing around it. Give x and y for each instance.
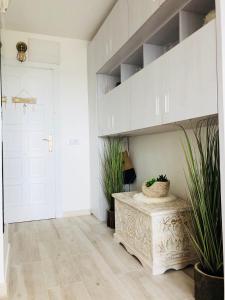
(113, 122)
(50, 142)
(157, 106)
(167, 103)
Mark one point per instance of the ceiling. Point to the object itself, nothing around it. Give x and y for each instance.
(78, 19)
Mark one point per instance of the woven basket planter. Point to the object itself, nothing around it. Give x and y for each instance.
(157, 190)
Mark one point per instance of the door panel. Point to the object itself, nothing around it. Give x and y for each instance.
(120, 99)
(139, 12)
(28, 164)
(191, 77)
(115, 110)
(118, 34)
(146, 96)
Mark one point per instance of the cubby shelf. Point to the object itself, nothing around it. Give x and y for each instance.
(178, 27)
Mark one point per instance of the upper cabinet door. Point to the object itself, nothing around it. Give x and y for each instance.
(146, 98)
(120, 109)
(113, 34)
(139, 12)
(115, 111)
(102, 45)
(118, 20)
(191, 77)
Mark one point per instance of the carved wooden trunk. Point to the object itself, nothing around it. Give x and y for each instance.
(154, 233)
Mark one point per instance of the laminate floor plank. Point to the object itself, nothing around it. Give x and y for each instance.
(77, 259)
(76, 291)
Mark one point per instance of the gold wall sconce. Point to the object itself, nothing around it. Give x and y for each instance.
(22, 49)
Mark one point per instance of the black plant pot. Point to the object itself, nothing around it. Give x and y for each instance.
(111, 218)
(208, 287)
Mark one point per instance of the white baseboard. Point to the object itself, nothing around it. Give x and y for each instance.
(77, 213)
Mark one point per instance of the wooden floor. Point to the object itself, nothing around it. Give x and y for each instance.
(76, 258)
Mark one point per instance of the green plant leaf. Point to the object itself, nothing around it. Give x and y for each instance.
(112, 169)
(203, 179)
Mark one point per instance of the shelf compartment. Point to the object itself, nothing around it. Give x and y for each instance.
(151, 53)
(189, 23)
(128, 70)
(132, 64)
(163, 40)
(106, 83)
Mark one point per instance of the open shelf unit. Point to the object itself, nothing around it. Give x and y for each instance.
(186, 21)
(132, 64)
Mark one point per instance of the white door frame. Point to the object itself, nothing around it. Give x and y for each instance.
(56, 126)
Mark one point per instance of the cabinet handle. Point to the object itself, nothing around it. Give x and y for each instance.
(167, 103)
(113, 122)
(157, 110)
(109, 122)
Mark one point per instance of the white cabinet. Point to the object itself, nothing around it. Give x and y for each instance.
(102, 44)
(191, 77)
(179, 85)
(113, 34)
(146, 106)
(105, 115)
(115, 111)
(118, 34)
(139, 13)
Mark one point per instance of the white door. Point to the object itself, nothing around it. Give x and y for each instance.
(27, 155)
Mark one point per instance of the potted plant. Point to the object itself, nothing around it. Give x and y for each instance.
(205, 224)
(156, 188)
(112, 174)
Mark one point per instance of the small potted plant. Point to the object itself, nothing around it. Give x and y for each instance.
(112, 174)
(156, 188)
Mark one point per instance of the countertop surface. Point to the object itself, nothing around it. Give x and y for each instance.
(177, 205)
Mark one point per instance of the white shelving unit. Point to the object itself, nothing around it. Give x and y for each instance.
(174, 31)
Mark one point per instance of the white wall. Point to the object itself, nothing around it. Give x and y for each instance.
(157, 154)
(72, 120)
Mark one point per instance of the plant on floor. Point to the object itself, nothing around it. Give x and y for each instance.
(112, 169)
(205, 224)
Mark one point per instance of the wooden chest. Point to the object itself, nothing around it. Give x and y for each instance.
(154, 233)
